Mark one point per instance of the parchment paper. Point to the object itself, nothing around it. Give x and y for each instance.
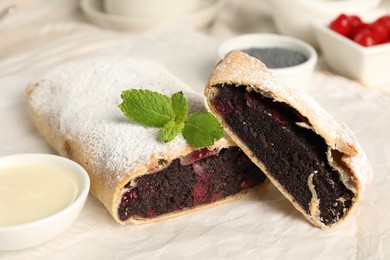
(265, 226)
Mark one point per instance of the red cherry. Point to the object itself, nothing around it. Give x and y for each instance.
(380, 31)
(356, 25)
(366, 38)
(341, 25)
(357, 28)
(151, 213)
(385, 20)
(354, 20)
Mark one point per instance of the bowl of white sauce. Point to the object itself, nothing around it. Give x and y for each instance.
(41, 195)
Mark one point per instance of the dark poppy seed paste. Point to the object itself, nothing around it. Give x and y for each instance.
(187, 183)
(277, 57)
(292, 154)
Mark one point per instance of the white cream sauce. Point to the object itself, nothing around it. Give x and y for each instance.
(31, 192)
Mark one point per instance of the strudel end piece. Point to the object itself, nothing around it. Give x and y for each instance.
(313, 159)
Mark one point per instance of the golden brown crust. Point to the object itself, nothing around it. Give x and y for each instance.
(344, 152)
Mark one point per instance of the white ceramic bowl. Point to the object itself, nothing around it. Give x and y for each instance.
(29, 234)
(369, 65)
(149, 8)
(199, 18)
(297, 76)
(294, 17)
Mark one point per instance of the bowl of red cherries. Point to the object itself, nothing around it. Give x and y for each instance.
(357, 46)
(362, 32)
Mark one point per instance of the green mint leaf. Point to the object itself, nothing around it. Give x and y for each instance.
(179, 106)
(170, 130)
(202, 129)
(154, 109)
(147, 107)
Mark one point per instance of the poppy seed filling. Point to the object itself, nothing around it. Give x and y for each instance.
(293, 155)
(203, 177)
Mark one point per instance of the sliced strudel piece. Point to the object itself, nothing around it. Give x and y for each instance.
(313, 159)
(137, 176)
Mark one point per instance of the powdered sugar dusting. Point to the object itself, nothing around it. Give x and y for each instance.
(80, 101)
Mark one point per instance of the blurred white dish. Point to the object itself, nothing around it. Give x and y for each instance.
(94, 11)
(28, 182)
(149, 8)
(297, 76)
(369, 65)
(295, 17)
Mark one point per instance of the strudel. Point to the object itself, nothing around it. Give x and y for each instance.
(138, 177)
(312, 158)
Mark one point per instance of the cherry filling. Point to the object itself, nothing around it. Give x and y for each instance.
(202, 177)
(291, 153)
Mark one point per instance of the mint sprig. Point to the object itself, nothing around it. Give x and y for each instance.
(150, 108)
(202, 129)
(179, 106)
(147, 107)
(170, 130)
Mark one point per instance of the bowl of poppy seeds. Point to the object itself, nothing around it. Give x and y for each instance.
(290, 60)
